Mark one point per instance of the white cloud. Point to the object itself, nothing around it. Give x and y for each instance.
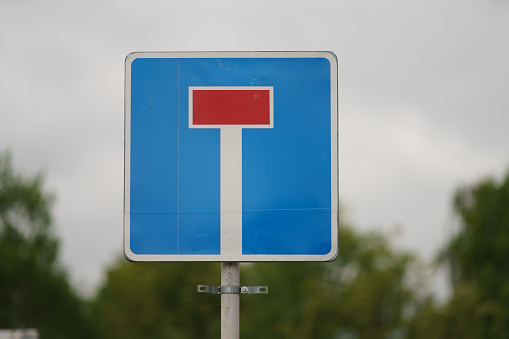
(399, 166)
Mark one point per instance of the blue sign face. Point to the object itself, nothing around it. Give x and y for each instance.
(288, 180)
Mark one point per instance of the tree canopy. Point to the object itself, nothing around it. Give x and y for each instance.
(478, 261)
(34, 289)
(158, 300)
(371, 291)
(363, 293)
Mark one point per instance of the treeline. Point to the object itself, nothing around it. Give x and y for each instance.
(371, 291)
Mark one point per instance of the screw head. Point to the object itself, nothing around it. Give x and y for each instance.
(244, 290)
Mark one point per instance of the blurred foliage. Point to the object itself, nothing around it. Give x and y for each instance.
(478, 261)
(34, 290)
(360, 295)
(159, 300)
(363, 294)
(479, 253)
(371, 291)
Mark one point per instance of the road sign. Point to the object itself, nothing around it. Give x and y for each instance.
(231, 156)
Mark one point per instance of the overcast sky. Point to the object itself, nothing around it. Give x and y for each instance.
(424, 101)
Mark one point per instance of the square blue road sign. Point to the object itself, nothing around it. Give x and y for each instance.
(231, 156)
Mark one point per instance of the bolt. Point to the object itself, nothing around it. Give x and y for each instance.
(244, 290)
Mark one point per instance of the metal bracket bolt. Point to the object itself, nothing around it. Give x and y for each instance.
(233, 289)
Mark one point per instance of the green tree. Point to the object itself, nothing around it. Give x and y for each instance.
(478, 253)
(363, 294)
(478, 261)
(34, 290)
(158, 300)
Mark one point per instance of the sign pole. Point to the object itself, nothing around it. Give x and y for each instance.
(230, 303)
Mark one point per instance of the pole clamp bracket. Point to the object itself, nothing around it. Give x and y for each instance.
(233, 289)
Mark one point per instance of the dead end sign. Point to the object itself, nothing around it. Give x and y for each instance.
(231, 156)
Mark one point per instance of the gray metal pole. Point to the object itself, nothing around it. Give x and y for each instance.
(230, 303)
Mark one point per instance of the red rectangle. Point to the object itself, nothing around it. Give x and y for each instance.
(231, 107)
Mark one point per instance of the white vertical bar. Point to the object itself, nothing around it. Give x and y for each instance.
(230, 303)
(231, 192)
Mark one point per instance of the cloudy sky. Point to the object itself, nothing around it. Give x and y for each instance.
(424, 101)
